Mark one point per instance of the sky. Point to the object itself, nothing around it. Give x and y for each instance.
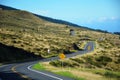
(97, 14)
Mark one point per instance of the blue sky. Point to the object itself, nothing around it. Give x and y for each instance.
(98, 14)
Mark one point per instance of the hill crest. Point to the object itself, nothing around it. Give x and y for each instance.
(3, 7)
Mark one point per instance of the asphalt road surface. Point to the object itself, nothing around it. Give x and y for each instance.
(23, 71)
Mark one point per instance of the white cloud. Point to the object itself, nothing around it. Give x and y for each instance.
(102, 19)
(114, 18)
(90, 20)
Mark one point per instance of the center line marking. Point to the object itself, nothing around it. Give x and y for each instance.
(14, 70)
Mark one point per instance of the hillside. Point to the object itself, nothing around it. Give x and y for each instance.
(24, 30)
(51, 19)
(43, 17)
(23, 36)
(12, 54)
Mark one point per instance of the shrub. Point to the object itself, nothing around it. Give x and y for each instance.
(118, 61)
(56, 63)
(70, 64)
(103, 60)
(111, 74)
(78, 60)
(89, 59)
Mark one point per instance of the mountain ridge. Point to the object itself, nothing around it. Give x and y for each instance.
(58, 21)
(3, 7)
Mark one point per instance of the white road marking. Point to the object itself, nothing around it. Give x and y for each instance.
(3, 66)
(43, 73)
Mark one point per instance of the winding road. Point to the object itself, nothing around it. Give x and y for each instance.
(23, 71)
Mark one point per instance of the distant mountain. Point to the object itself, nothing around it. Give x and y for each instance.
(118, 33)
(3, 7)
(7, 8)
(57, 20)
(47, 18)
(43, 17)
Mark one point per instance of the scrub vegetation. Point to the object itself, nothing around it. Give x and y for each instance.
(29, 35)
(26, 31)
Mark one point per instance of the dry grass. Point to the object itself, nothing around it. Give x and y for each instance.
(76, 72)
(23, 30)
(33, 34)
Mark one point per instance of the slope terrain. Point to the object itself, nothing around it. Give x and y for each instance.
(35, 35)
(24, 30)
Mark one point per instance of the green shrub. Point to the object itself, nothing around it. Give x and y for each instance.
(56, 63)
(78, 60)
(118, 61)
(89, 59)
(68, 64)
(111, 74)
(103, 60)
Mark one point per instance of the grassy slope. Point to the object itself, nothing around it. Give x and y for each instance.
(79, 74)
(12, 54)
(23, 30)
(40, 66)
(101, 64)
(103, 61)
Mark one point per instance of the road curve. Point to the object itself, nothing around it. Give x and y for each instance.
(23, 71)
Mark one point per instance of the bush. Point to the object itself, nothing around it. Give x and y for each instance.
(56, 63)
(78, 60)
(70, 64)
(89, 59)
(111, 74)
(118, 61)
(104, 59)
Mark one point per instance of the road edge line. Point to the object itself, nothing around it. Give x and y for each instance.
(3, 66)
(29, 68)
